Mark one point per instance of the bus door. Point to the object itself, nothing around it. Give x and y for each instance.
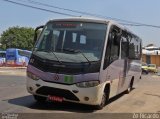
(112, 64)
(124, 78)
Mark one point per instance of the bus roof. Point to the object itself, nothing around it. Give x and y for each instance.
(95, 20)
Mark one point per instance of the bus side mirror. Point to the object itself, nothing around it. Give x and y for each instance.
(36, 32)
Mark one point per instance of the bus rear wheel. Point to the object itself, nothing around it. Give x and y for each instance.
(130, 86)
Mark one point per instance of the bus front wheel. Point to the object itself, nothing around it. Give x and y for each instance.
(103, 102)
(105, 98)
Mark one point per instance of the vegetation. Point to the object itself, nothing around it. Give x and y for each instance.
(17, 37)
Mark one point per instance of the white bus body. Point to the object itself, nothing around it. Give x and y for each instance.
(100, 59)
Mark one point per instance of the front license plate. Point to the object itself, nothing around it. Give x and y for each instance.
(55, 98)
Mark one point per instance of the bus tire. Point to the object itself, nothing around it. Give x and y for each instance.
(130, 86)
(39, 98)
(105, 98)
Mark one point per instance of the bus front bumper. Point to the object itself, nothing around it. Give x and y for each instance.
(71, 93)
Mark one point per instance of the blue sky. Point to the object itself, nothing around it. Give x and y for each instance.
(143, 11)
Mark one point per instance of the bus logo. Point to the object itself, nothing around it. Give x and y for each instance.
(56, 77)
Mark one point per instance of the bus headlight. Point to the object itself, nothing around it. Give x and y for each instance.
(32, 76)
(88, 84)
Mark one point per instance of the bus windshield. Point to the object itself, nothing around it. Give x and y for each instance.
(71, 41)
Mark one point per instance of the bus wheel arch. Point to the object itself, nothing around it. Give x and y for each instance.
(105, 97)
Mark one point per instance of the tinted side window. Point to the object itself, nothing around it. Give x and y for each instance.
(135, 48)
(124, 45)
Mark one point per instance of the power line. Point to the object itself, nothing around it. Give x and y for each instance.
(76, 11)
(42, 9)
(124, 22)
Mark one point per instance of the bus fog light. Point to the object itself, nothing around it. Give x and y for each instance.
(30, 88)
(88, 84)
(86, 98)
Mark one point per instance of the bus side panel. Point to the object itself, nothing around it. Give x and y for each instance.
(119, 75)
(135, 70)
(112, 73)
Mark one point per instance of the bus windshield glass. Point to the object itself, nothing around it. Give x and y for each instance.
(71, 41)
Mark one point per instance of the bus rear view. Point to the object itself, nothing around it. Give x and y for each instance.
(67, 63)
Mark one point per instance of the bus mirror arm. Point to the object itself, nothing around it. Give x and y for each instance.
(36, 34)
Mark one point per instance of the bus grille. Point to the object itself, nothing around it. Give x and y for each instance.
(68, 68)
(57, 92)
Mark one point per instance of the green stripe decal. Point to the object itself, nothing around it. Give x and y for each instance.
(68, 79)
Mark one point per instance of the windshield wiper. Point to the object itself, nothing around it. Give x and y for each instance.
(56, 57)
(52, 53)
(77, 51)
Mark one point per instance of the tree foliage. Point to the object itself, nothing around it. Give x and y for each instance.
(17, 37)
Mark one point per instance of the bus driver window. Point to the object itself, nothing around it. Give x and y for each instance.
(113, 46)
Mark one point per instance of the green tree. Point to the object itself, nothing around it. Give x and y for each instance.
(17, 37)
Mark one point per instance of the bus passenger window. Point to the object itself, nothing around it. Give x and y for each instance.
(114, 53)
(124, 48)
(135, 48)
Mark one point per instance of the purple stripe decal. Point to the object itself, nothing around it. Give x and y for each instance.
(60, 78)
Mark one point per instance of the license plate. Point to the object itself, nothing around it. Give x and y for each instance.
(55, 98)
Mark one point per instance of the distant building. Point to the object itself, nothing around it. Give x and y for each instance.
(151, 55)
